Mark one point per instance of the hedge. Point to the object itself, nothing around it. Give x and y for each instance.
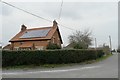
(16, 58)
(53, 46)
(118, 50)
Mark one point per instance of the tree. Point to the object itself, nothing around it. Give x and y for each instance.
(81, 40)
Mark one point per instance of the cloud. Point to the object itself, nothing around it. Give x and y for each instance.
(101, 18)
(6, 11)
(0, 8)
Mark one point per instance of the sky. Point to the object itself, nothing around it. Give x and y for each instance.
(99, 17)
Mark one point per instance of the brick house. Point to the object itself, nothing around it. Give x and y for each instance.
(36, 38)
(7, 47)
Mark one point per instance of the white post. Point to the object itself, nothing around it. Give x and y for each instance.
(95, 44)
(110, 43)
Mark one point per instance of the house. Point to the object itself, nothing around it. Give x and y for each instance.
(36, 38)
(7, 47)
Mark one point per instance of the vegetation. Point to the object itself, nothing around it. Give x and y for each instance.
(16, 58)
(80, 40)
(104, 57)
(53, 46)
(25, 67)
(118, 50)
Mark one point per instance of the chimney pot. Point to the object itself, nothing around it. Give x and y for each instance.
(23, 27)
(55, 23)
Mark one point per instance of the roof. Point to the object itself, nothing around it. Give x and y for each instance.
(8, 46)
(71, 45)
(45, 36)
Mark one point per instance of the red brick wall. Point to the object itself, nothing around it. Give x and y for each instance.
(36, 43)
(55, 39)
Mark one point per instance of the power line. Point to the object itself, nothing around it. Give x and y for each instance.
(35, 14)
(60, 10)
(25, 11)
(66, 27)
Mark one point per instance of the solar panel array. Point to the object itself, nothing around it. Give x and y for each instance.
(35, 33)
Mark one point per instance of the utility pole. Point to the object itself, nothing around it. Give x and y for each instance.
(95, 43)
(110, 43)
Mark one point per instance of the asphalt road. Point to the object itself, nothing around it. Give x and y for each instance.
(104, 69)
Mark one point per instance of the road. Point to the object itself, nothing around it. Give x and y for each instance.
(104, 69)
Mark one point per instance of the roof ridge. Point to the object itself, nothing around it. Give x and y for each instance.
(39, 28)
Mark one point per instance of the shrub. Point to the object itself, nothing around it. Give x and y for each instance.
(77, 46)
(16, 58)
(118, 50)
(53, 46)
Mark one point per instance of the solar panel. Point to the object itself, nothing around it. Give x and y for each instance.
(35, 33)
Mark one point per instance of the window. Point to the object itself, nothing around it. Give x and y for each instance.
(40, 47)
(53, 39)
(21, 43)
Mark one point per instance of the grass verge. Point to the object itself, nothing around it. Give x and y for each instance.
(25, 67)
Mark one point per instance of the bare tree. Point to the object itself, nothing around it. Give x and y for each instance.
(81, 40)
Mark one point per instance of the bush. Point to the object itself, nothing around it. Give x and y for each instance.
(53, 46)
(118, 50)
(16, 58)
(79, 46)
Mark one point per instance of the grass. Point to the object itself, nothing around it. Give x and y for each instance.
(25, 67)
(104, 57)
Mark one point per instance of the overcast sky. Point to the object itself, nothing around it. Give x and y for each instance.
(100, 17)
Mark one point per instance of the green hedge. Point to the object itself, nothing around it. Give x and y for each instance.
(53, 46)
(15, 58)
(118, 50)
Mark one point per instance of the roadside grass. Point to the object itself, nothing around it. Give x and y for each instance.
(104, 57)
(26, 67)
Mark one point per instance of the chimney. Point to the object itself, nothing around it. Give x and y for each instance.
(23, 27)
(55, 23)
